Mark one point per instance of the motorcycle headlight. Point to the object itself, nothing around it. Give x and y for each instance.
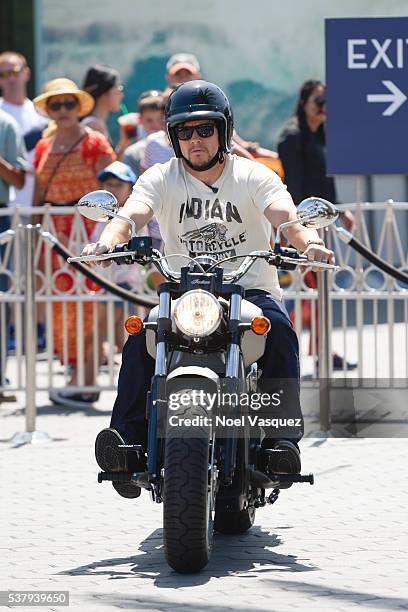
(197, 313)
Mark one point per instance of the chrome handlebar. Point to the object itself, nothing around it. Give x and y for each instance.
(160, 262)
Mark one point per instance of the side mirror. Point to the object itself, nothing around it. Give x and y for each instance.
(316, 213)
(102, 205)
(313, 212)
(98, 205)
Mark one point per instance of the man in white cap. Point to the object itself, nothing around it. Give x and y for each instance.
(182, 67)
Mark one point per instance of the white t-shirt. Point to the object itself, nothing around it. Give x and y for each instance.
(158, 150)
(194, 220)
(133, 155)
(31, 125)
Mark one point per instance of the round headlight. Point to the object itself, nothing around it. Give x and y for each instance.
(197, 313)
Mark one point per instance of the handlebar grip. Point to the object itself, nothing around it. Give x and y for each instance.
(289, 252)
(140, 247)
(120, 248)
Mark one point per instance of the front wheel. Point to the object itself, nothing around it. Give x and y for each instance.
(188, 495)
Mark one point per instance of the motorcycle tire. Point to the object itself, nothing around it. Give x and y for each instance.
(230, 523)
(187, 515)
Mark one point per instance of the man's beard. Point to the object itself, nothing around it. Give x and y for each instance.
(203, 166)
(200, 164)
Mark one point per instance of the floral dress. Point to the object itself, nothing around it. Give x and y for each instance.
(74, 177)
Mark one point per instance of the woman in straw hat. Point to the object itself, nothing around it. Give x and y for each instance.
(67, 161)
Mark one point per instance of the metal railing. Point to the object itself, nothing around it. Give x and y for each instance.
(365, 319)
(367, 322)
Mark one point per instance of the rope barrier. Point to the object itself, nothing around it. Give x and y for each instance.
(128, 296)
(134, 298)
(358, 246)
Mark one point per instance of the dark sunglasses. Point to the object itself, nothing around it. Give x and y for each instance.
(68, 104)
(6, 74)
(320, 101)
(185, 132)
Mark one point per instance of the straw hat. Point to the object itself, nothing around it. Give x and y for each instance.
(62, 86)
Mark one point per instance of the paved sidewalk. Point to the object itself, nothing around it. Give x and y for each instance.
(339, 545)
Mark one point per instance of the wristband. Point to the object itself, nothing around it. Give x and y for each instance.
(318, 242)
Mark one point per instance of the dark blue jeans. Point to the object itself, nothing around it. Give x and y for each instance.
(279, 365)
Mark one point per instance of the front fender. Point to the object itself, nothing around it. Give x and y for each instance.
(193, 372)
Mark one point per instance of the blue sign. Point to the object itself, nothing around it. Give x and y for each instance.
(367, 95)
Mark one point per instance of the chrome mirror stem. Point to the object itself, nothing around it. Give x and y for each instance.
(282, 226)
(128, 220)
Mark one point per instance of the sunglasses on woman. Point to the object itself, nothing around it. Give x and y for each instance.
(204, 130)
(68, 104)
(320, 101)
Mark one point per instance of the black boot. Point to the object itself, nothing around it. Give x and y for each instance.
(111, 458)
(286, 460)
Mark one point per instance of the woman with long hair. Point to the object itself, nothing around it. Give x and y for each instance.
(302, 146)
(103, 84)
(302, 151)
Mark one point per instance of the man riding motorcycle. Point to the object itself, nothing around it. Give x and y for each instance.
(207, 201)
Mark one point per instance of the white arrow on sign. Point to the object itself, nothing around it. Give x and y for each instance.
(396, 97)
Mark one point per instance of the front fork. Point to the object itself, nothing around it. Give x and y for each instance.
(232, 384)
(156, 401)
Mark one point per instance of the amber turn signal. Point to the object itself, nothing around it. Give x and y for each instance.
(260, 325)
(134, 325)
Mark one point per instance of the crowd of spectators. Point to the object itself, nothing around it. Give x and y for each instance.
(57, 147)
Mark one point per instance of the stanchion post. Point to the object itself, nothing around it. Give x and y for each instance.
(323, 344)
(29, 233)
(30, 435)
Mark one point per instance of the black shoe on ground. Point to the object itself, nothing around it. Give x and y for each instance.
(73, 399)
(285, 461)
(339, 363)
(111, 458)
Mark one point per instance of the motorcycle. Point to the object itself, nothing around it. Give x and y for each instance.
(205, 462)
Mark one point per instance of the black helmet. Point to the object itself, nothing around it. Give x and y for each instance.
(199, 100)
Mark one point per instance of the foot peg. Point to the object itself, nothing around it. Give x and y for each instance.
(140, 479)
(294, 478)
(272, 481)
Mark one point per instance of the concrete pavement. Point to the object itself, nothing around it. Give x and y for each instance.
(339, 545)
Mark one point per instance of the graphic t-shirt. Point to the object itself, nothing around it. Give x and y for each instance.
(195, 220)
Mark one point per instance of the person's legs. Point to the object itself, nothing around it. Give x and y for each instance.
(279, 365)
(280, 375)
(129, 410)
(280, 361)
(128, 422)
